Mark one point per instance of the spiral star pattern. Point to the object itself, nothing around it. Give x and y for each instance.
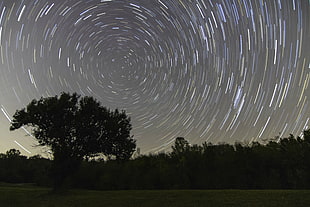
(207, 70)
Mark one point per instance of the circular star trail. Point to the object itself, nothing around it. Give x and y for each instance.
(210, 71)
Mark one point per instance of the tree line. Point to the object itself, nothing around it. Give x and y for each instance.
(284, 164)
(78, 130)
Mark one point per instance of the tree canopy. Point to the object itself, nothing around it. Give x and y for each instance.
(76, 127)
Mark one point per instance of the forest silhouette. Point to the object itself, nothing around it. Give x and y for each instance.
(79, 131)
(276, 165)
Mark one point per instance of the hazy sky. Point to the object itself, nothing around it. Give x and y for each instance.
(207, 70)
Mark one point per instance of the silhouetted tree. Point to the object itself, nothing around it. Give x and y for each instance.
(75, 128)
(12, 153)
(181, 145)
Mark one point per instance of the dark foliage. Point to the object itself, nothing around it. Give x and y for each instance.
(284, 164)
(15, 168)
(277, 165)
(76, 128)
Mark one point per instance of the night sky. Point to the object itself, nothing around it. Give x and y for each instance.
(207, 70)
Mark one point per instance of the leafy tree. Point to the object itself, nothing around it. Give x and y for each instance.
(76, 128)
(12, 153)
(181, 146)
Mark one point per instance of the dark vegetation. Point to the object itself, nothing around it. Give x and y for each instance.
(277, 165)
(78, 130)
(75, 129)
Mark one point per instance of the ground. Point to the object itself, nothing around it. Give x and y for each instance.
(28, 195)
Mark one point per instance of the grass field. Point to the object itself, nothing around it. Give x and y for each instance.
(25, 195)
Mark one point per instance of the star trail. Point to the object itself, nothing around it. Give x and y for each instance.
(207, 70)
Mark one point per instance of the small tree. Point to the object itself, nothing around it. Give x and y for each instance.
(75, 128)
(12, 153)
(181, 146)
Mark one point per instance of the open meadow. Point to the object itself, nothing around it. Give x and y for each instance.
(27, 195)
